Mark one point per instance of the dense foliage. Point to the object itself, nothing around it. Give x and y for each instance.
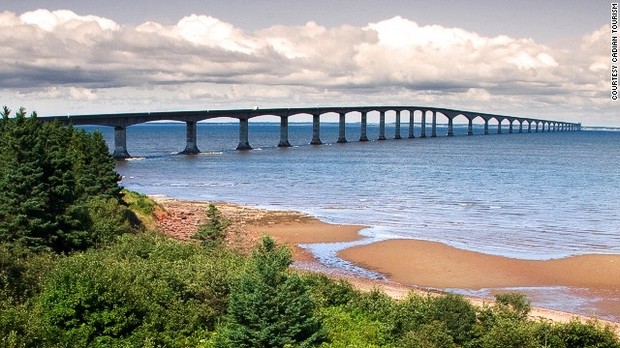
(70, 275)
(146, 290)
(58, 187)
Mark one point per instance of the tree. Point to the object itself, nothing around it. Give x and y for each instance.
(268, 306)
(49, 173)
(213, 232)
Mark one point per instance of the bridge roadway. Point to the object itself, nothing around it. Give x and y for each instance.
(121, 121)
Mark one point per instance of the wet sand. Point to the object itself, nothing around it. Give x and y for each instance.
(409, 264)
(437, 265)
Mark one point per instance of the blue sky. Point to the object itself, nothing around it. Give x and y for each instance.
(546, 59)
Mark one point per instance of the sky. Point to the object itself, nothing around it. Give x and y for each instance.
(541, 59)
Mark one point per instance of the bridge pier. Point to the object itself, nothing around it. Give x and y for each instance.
(191, 147)
(244, 143)
(470, 126)
(450, 127)
(423, 125)
(120, 143)
(342, 138)
(284, 132)
(434, 125)
(381, 125)
(499, 126)
(411, 124)
(363, 127)
(510, 127)
(397, 126)
(316, 130)
(536, 127)
(486, 126)
(520, 126)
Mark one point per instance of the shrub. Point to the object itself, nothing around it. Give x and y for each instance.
(576, 334)
(457, 313)
(351, 329)
(411, 313)
(143, 289)
(513, 303)
(326, 292)
(509, 333)
(376, 304)
(21, 273)
(432, 335)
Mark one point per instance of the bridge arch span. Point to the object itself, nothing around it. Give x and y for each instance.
(425, 114)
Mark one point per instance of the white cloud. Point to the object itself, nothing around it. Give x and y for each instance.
(204, 60)
(81, 94)
(51, 20)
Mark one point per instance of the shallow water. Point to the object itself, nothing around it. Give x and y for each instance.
(531, 196)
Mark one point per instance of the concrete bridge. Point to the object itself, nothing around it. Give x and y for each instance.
(120, 122)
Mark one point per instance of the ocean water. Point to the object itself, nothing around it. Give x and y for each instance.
(532, 195)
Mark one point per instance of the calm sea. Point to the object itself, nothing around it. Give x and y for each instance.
(532, 196)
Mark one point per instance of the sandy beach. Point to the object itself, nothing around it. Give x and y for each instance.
(409, 264)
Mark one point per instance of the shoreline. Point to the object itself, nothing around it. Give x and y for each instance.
(436, 263)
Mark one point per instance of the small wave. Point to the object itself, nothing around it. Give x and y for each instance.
(212, 153)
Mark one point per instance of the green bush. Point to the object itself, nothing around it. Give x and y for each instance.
(432, 335)
(326, 292)
(576, 334)
(513, 303)
(410, 314)
(458, 314)
(352, 329)
(376, 303)
(509, 333)
(21, 273)
(145, 289)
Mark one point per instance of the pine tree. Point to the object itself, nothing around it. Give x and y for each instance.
(49, 176)
(24, 192)
(213, 232)
(270, 307)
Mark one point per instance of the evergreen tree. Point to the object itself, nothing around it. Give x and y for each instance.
(24, 192)
(270, 307)
(49, 173)
(213, 232)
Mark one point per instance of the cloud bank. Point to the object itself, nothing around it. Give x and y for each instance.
(59, 59)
